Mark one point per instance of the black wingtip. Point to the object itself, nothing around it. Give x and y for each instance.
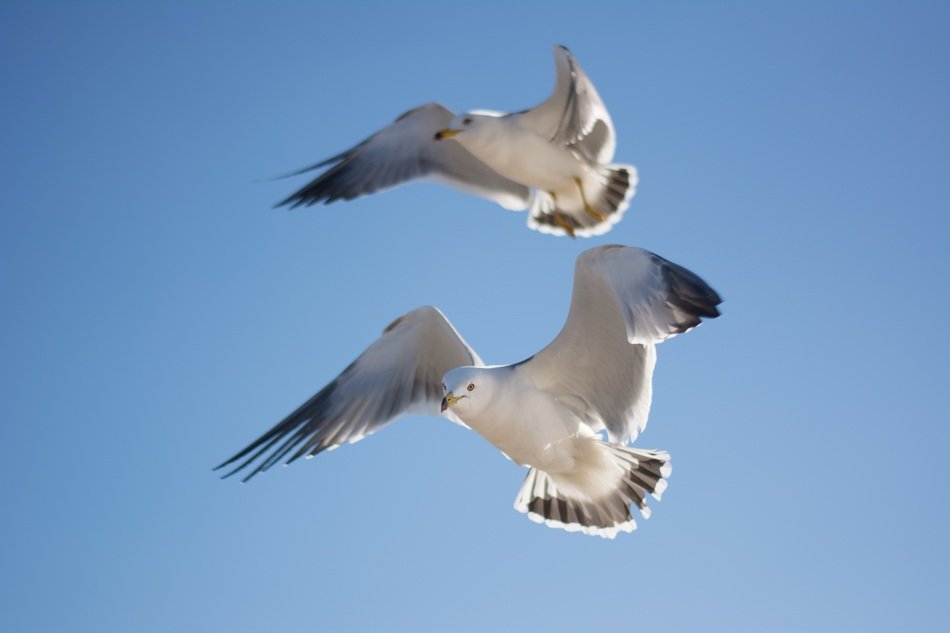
(690, 293)
(303, 170)
(324, 187)
(288, 434)
(290, 203)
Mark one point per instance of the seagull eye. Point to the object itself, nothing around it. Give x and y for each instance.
(466, 120)
(471, 386)
(443, 387)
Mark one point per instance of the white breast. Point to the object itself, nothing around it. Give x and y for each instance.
(521, 155)
(527, 424)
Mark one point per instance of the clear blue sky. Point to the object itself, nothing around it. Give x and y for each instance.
(158, 314)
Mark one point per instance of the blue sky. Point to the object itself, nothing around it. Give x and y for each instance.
(158, 314)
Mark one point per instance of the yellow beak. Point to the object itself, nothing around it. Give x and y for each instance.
(447, 133)
(449, 400)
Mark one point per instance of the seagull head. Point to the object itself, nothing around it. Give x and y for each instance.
(467, 123)
(466, 390)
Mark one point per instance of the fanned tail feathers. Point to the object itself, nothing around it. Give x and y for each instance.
(560, 500)
(608, 190)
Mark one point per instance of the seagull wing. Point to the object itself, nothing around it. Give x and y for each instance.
(574, 115)
(625, 301)
(399, 373)
(404, 151)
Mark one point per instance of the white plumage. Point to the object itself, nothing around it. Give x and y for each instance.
(546, 412)
(553, 159)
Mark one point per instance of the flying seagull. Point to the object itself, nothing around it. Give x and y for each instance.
(553, 159)
(568, 413)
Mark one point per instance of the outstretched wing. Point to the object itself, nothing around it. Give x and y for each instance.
(404, 151)
(574, 115)
(400, 373)
(625, 301)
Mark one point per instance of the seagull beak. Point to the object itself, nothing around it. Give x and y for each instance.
(447, 133)
(449, 400)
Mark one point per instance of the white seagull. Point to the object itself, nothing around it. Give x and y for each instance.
(567, 413)
(553, 159)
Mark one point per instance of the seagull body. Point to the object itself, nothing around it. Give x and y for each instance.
(531, 429)
(553, 160)
(567, 413)
(504, 144)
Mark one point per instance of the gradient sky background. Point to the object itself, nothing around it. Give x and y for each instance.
(158, 315)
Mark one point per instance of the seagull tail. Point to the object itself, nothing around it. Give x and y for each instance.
(595, 498)
(607, 191)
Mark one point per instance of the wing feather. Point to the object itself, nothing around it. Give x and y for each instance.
(625, 301)
(403, 151)
(401, 372)
(574, 114)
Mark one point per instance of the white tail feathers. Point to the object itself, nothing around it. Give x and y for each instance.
(596, 497)
(607, 190)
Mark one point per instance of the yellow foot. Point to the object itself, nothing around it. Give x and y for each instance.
(563, 223)
(594, 212)
(591, 210)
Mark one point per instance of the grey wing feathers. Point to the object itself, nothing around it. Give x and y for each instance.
(625, 301)
(403, 151)
(399, 373)
(574, 114)
(659, 299)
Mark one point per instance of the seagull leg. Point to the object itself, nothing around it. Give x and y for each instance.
(562, 222)
(559, 218)
(591, 210)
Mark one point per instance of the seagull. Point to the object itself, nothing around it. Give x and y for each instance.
(553, 160)
(568, 413)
